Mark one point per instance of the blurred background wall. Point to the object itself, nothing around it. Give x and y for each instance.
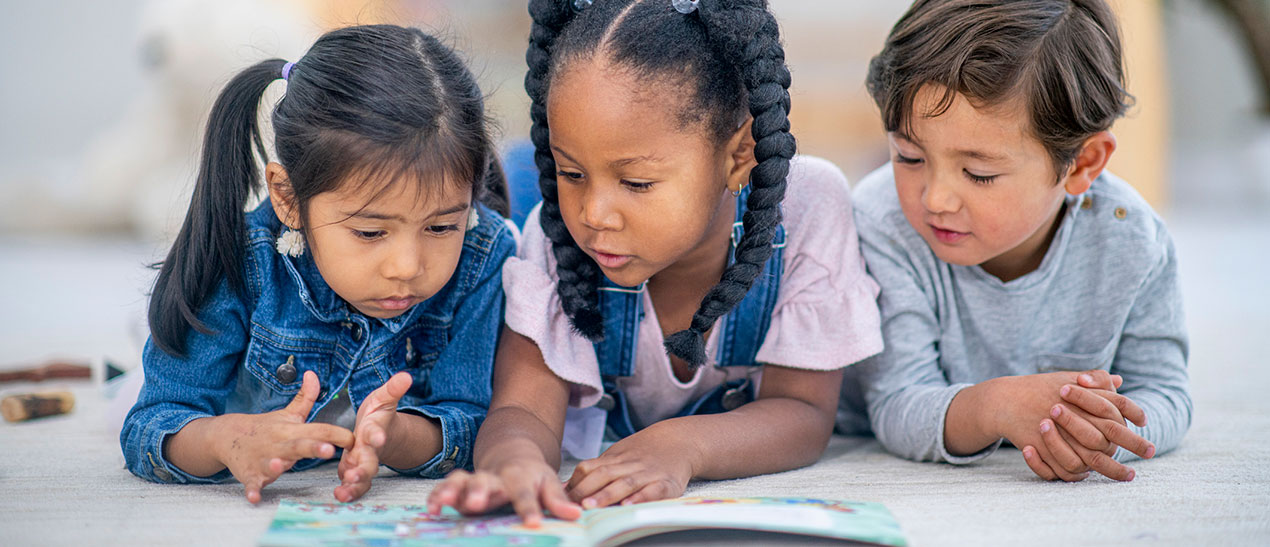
(102, 102)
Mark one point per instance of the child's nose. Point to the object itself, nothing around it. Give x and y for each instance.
(940, 196)
(599, 212)
(405, 263)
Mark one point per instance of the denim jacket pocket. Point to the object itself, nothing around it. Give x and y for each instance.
(418, 355)
(1065, 361)
(278, 359)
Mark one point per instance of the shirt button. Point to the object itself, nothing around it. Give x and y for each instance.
(1121, 213)
(286, 371)
(1087, 203)
(446, 466)
(163, 474)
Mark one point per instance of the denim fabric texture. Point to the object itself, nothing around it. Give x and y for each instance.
(290, 321)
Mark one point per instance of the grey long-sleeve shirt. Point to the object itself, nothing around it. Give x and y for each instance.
(1106, 296)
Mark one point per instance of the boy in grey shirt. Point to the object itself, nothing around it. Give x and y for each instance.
(1009, 261)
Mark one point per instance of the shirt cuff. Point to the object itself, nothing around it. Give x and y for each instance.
(939, 432)
(153, 464)
(458, 434)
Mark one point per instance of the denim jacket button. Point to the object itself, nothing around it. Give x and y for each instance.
(286, 371)
(163, 474)
(446, 466)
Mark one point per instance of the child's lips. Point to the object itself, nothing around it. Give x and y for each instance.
(396, 303)
(948, 236)
(610, 260)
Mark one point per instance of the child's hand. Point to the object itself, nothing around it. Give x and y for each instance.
(258, 448)
(360, 463)
(1028, 401)
(637, 469)
(1092, 427)
(529, 485)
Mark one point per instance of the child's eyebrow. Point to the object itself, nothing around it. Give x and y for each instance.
(980, 155)
(373, 215)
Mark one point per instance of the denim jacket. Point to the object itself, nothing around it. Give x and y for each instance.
(289, 321)
(743, 330)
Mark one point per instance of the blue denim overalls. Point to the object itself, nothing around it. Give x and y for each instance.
(743, 332)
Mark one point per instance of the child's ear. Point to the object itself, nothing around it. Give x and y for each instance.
(740, 151)
(281, 195)
(1090, 162)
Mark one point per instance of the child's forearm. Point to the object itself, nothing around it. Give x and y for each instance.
(766, 436)
(413, 441)
(970, 424)
(510, 432)
(195, 448)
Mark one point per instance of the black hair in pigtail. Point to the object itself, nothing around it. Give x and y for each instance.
(210, 243)
(368, 105)
(748, 35)
(579, 276)
(727, 54)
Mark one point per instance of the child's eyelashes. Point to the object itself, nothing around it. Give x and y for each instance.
(637, 186)
(576, 177)
(900, 158)
(571, 176)
(980, 179)
(368, 235)
(443, 229)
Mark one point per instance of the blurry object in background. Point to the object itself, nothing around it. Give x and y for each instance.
(19, 408)
(1142, 135)
(139, 174)
(1252, 19)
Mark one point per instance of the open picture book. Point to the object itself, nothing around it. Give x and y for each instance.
(302, 523)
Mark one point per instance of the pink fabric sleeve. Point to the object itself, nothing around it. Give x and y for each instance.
(826, 316)
(533, 310)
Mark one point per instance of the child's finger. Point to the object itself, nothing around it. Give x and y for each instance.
(557, 502)
(447, 493)
(1095, 402)
(525, 501)
(251, 489)
(1096, 379)
(1038, 466)
(372, 434)
(1103, 463)
(655, 491)
(1062, 453)
(302, 403)
(1128, 409)
(1042, 451)
(299, 449)
(1121, 435)
(329, 433)
(599, 478)
(1079, 428)
(475, 498)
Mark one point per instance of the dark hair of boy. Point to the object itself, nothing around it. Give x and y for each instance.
(1062, 58)
(368, 104)
(727, 58)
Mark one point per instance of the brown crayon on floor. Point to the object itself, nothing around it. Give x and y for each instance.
(17, 408)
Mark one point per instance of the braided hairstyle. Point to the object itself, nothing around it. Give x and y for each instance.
(378, 101)
(728, 58)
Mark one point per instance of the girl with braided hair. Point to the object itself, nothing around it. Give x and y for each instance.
(659, 282)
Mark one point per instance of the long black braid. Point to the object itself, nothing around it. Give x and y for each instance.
(727, 52)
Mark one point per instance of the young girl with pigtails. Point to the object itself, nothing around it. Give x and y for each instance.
(358, 307)
(688, 286)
